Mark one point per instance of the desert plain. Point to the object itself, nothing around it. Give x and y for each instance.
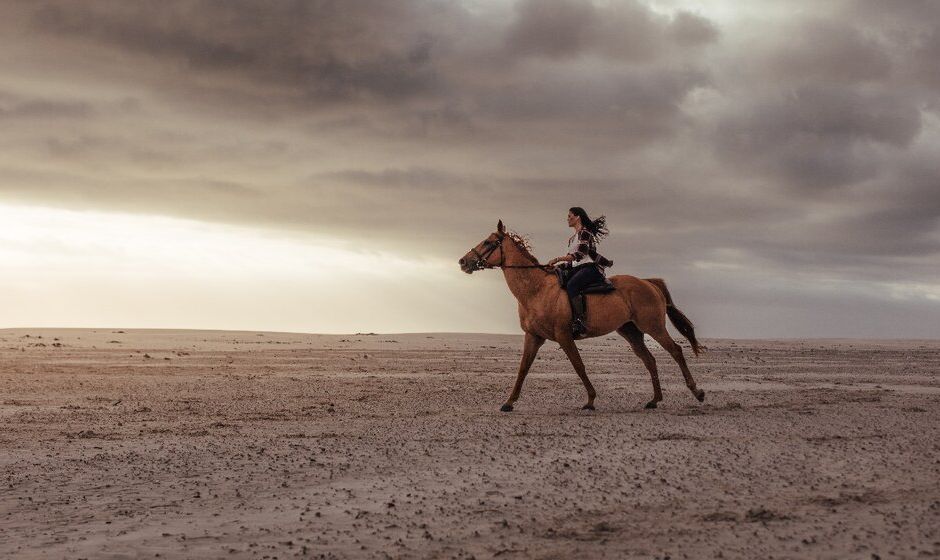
(120, 443)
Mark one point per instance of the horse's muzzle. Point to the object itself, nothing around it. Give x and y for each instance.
(467, 266)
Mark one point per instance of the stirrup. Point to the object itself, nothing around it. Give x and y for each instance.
(578, 328)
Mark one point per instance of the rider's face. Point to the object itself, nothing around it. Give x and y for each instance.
(573, 220)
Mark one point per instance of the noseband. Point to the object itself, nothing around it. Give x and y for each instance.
(491, 246)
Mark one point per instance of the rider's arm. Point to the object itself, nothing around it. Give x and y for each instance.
(567, 258)
(580, 251)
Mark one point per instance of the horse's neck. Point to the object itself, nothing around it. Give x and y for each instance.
(524, 283)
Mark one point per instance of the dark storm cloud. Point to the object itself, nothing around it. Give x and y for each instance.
(821, 108)
(636, 95)
(773, 144)
(834, 117)
(820, 51)
(818, 137)
(322, 50)
(651, 215)
(314, 55)
(19, 107)
(624, 30)
(912, 29)
(899, 216)
(691, 30)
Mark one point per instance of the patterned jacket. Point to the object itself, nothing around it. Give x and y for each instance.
(587, 247)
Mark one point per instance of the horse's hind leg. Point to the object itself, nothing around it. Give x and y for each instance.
(635, 338)
(661, 335)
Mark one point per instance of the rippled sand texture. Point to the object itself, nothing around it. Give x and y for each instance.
(188, 444)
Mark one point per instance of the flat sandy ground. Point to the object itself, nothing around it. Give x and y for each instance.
(189, 444)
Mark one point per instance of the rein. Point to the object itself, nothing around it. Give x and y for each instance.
(491, 248)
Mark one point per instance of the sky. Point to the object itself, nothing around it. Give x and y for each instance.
(320, 166)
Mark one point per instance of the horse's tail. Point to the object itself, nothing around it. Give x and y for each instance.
(678, 318)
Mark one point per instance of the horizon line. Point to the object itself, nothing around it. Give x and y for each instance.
(401, 333)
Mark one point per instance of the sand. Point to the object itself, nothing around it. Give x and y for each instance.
(196, 444)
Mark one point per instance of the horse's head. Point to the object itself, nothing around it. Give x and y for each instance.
(487, 253)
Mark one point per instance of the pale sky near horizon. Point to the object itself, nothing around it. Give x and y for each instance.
(320, 166)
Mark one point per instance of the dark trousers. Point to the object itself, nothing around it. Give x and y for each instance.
(582, 276)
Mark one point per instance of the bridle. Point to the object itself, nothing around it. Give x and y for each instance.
(491, 247)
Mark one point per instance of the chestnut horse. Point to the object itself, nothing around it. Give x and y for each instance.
(637, 307)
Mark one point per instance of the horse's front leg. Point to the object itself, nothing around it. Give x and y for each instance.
(571, 350)
(531, 348)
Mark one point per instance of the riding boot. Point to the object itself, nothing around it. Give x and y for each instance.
(577, 316)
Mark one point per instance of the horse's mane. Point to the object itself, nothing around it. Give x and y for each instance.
(524, 244)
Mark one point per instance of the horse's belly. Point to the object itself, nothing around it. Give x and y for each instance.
(606, 312)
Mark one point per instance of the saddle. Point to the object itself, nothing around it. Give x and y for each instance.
(598, 288)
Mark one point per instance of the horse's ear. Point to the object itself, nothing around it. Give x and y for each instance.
(500, 227)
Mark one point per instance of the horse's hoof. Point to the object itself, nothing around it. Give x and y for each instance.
(506, 408)
(651, 404)
(588, 407)
(700, 395)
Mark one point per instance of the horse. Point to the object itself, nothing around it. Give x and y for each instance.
(636, 307)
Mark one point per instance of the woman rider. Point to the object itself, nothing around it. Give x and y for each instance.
(590, 265)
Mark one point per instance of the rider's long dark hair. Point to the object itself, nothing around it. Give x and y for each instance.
(597, 226)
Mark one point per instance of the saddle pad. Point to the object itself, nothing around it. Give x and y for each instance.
(592, 289)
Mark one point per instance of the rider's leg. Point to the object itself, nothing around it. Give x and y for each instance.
(581, 278)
